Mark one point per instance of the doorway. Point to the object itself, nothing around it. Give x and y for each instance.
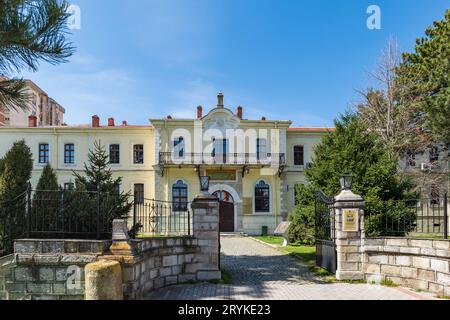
(226, 211)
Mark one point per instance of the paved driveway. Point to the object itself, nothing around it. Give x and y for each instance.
(262, 272)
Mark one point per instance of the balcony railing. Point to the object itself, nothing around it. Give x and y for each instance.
(180, 158)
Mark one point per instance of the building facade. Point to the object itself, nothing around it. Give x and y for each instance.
(47, 111)
(253, 165)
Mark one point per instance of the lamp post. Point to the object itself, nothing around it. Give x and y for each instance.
(204, 184)
(346, 181)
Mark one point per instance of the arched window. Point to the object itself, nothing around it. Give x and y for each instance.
(179, 196)
(262, 197)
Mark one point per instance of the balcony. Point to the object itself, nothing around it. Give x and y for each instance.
(185, 158)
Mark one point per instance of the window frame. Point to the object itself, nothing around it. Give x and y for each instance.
(180, 201)
(261, 154)
(141, 160)
(267, 187)
(114, 151)
(69, 159)
(303, 155)
(69, 186)
(139, 199)
(46, 155)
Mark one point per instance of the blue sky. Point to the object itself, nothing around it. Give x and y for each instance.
(297, 60)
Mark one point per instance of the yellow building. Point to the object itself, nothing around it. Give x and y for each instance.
(253, 165)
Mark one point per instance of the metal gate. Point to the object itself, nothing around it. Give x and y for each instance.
(326, 256)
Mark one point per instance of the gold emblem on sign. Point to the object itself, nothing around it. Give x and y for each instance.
(350, 220)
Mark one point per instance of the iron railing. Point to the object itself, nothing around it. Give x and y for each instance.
(161, 218)
(13, 220)
(71, 214)
(222, 158)
(411, 218)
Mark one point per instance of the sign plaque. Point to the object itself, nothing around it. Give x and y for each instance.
(350, 220)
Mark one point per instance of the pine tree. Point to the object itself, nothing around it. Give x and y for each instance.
(98, 177)
(425, 75)
(48, 179)
(351, 148)
(15, 172)
(30, 32)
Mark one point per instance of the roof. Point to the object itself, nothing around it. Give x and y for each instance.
(311, 129)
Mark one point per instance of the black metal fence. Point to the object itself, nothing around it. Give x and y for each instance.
(412, 218)
(12, 222)
(161, 218)
(70, 214)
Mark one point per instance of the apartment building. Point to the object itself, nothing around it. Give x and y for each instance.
(47, 111)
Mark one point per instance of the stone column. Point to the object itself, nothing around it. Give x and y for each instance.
(205, 215)
(103, 281)
(349, 243)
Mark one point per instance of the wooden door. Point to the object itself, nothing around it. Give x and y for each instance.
(226, 219)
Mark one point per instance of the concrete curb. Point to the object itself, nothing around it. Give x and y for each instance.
(265, 243)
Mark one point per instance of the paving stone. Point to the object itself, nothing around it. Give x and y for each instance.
(262, 272)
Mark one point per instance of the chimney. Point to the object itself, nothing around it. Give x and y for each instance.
(199, 112)
(95, 121)
(124, 123)
(239, 112)
(111, 122)
(32, 121)
(220, 100)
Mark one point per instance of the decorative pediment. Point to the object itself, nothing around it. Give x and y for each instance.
(221, 119)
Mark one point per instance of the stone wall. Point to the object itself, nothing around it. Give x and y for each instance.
(44, 269)
(41, 268)
(418, 263)
(155, 263)
(6, 263)
(149, 264)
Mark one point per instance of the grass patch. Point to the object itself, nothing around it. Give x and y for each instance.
(305, 253)
(226, 277)
(443, 297)
(388, 283)
(271, 240)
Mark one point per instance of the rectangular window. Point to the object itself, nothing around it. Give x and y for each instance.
(434, 154)
(69, 186)
(114, 153)
(299, 156)
(69, 153)
(139, 193)
(261, 149)
(138, 153)
(43, 153)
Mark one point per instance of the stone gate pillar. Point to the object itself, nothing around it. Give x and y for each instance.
(205, 218)
(349, 231)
